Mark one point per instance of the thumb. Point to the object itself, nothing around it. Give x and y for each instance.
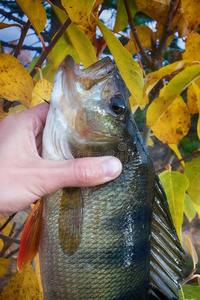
(80, 172)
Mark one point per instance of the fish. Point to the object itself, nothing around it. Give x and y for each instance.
(114, 241)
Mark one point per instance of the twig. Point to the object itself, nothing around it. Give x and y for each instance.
(196, 152)
(25, 47)
(9, 239)
(7, 221)
(50, 47)
(135, 35)
(22, 37)
(165, 33)
(12, 253)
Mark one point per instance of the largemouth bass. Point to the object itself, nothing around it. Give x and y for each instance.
(114, 241)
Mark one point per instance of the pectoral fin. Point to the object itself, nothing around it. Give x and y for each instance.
(30, 237)
(166, 251)
(71, 219)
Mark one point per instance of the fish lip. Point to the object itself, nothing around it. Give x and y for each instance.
(89, 76)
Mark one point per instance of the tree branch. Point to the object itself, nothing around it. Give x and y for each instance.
(135, 35)
(50, 47)
(24, 47)
(9, 16)
(22, 37)
(165, 34)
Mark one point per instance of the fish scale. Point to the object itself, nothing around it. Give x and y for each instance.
(115, 241)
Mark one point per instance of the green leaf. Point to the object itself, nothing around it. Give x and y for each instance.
(128, 67)
(35, 12)
(192, 171)
(189, 292)
(160, 105)
(175, 185)
(121, 20)
(188, 208)
(79, 40)
(62, 48)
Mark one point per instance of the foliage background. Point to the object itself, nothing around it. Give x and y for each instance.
(155, 45)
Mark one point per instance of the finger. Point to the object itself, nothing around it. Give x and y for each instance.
(82, 172)
(39, 111)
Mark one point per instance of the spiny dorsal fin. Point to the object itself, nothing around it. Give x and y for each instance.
(166, 252)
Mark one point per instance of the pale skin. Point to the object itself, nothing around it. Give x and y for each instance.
(26, 177)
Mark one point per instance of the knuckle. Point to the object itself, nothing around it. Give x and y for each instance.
(82, 172)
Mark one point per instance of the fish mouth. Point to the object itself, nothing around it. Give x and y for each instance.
(89, 76)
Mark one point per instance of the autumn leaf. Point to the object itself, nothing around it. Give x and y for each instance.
(191, 9)
(78, 39)
(188, 208)
(121, 20)
(192, 173)
(4, 262)
(35, 12)
(5, 25)
(42, 91)
(152, 78)
(192, 46)
(192, 99)
(174, 123)
(177, 152)
(175, 185)
(62, 48)
(160, 105)
(80, 12)
(128, 67)
(156, 9)
(145, 35)
(23, 285)
(197, 94)
(15, 81)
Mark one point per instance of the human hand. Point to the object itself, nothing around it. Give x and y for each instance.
(26, 177)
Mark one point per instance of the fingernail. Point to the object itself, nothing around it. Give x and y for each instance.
(112, 167)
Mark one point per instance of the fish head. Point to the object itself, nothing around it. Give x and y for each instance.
(89, 111)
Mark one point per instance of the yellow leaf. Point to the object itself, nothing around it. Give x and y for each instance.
(121, 20)
(177, 152)
(82, 45)
(174, 123)
(152, 78)
(192, 172)
(3, 114)
(79, 40)
(62, 48)
(191, 10)
(35, 12)
(41, 91)
(15, 109)
(128, 67)
(156, 9)
(15, 81)
(4, 262)
(197, 208)
(38, 273)
(80, 12)
(192, 99)
(192, 46)
(23, 285)
(5, 25)
(161, 104)
(192, 251)
(145, 35)
(197, 94)
(188, 208)
(175, 185)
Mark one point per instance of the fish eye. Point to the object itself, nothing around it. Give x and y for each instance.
(118, 105)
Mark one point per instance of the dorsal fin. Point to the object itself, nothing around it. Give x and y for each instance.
(166, 252)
